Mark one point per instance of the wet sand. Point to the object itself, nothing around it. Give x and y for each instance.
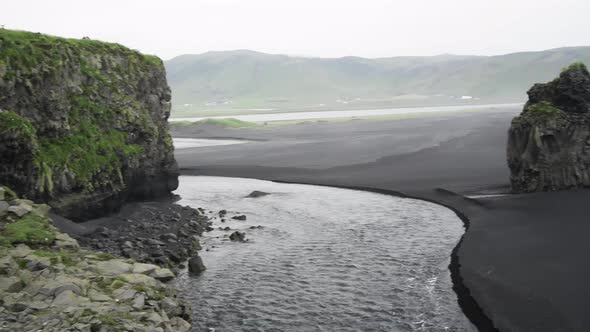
(522, 258)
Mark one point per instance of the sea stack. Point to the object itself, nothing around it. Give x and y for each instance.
(83, 123)
(549, 142)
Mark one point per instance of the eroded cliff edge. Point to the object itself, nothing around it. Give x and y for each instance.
(549, 142)
(83, 124)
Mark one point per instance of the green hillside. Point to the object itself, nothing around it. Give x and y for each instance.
(247, 79)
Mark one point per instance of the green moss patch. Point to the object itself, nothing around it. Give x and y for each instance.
(11, 122)
(576, 66)
(9, 194)
(65, 257)
(31, 229)
(543, 108)
(88, 152)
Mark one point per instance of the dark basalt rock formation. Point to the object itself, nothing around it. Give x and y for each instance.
(83, 124)
(238, 236)
(549, 143)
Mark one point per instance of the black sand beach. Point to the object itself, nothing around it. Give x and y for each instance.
(522, 258)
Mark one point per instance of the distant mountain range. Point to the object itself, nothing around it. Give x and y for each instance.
(248, 79)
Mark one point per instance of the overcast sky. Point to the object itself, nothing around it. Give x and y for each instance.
(326, 28)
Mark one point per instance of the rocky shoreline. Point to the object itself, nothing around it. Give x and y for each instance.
(48, 282)
(160, 233)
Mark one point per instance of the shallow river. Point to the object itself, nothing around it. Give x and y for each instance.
(326, 259)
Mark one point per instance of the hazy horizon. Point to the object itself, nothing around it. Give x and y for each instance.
(374, 58)
(325, 29)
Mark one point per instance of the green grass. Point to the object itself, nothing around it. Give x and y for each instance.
(141, 288)
(108, 320)
(21, 262)
(578, 65)
(226, 123)
(543, 108)
(67, 258)
(31, 229)
(118, 283)
(11, 122)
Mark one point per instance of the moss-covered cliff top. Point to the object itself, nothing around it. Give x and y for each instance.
(24, 50)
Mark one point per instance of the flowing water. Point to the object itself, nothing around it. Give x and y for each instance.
(326, 259)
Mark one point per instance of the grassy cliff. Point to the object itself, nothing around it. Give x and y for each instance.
(82, 121)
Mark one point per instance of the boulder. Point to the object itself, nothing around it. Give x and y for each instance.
(37, 265)
(124, 294)
(139, 279)
(20, 251)
(113, 267)
(138, 302)
(42, 209)
(195, 265)
(64, 241)
(10, 284)
(179, 325)
(169, 237)
(97, 296)
(170, 307)
(68, 298)
(155, 318)
(20, 210)
(163, 275)
(3, 207)
(63, 283)
(240, 217)
(8, 265)
(144, 268)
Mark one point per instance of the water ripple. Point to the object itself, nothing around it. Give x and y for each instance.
(326, 260)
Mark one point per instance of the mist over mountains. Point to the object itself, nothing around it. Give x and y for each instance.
(248, 79)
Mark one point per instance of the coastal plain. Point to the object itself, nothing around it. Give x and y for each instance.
(521, 261)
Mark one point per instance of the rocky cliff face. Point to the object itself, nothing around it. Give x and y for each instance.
(83, 124)
(549, 143)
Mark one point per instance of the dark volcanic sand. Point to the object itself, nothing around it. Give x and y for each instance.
(523, 256)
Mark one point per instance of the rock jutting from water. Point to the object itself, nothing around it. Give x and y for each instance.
(83, 123)
(549, 142)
